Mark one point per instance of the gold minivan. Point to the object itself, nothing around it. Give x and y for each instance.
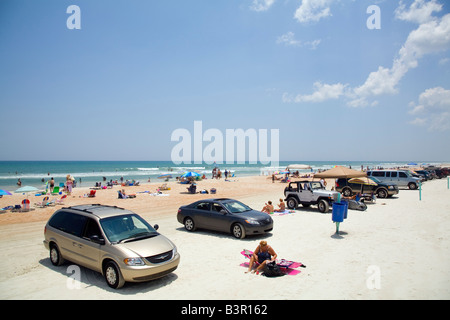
(113, 241)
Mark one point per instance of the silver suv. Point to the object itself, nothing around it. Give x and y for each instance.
(309, 193)
(113, 241)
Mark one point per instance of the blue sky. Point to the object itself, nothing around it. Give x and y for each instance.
(137, 70)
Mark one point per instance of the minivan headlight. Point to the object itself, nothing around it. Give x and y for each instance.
(134, 262)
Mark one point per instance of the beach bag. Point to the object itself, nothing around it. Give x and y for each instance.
(271, 269)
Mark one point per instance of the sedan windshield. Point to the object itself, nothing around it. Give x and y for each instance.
(236, 206)
(125, 228)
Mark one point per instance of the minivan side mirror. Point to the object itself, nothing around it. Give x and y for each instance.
(156, 227)
(97, 239)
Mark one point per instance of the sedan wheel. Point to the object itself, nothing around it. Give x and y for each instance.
(238, 231)
(189, 224)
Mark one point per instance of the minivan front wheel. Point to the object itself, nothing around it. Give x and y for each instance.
(113, 276)
(55, 255)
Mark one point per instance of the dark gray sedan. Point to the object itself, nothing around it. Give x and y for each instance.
(224, 215)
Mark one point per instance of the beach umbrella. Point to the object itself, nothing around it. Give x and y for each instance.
(340, 172)
(412, 164)
(166, 176)
(190, 174)
(5, 193)
(26, 189)
(298, 167)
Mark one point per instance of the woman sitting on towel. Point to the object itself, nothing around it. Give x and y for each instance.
(281, 206)
(263, 254)
(268, 208)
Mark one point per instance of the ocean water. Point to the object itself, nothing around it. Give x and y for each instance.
(87, 173)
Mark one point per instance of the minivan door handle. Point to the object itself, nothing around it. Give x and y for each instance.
(75, 244)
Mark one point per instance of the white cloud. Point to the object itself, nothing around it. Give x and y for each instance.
(433, 109)
(313, 10)
(432, 36)
(419, 11)
(288, 39)
(261, 5)
(322, 93)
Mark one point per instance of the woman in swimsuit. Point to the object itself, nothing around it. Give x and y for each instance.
(263, 254)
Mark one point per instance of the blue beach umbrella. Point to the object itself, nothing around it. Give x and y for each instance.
(190, 174)
(412, 164)
(5, 193)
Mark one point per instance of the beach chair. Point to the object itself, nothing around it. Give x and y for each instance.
(55, 191)
(61, 201)
(43, 203)
(25, 205)
(164, 187)
(92, 194)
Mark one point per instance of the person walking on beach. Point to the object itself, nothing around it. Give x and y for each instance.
(262, 254)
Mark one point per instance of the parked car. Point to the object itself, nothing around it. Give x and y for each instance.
(425, 174)
(113, 241)
(309, 193)
(224, 215)
(381, 190)
(402, 178)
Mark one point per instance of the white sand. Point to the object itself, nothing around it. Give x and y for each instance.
(406, 240)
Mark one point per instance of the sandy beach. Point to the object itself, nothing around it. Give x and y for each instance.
(399, 248)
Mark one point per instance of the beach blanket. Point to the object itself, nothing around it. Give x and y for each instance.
(287, 266)
(282, 213)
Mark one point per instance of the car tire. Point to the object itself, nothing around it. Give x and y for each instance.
(347, 192)
(292, 203)
(412, 186)
(113, 276)
(382, 193)
(323, 206)
(55, 255)
(238, 231)
(189, 224)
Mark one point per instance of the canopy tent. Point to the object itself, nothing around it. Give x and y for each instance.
(340, 172)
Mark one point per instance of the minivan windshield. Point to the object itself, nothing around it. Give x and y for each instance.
(125, 228)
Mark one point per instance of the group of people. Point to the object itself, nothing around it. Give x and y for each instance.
(268, 207)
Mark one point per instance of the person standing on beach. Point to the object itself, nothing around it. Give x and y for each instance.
(52, 184)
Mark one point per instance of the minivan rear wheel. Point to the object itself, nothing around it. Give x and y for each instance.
(113, 276)
(412, 186)
(55, 255)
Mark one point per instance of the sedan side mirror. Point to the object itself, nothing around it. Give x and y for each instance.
(156, 227)
(223, 212)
